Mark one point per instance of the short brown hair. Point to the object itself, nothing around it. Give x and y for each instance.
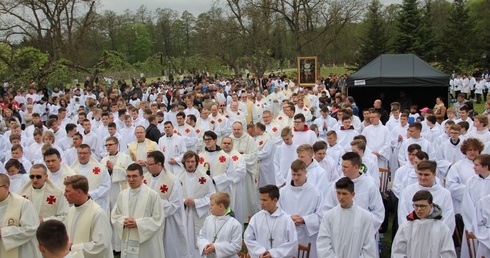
(482, 119)
(484, 160)
(298, 165)
(427, 164)
(360, 144)
(286, 131)
(221, 198)
(77, 182)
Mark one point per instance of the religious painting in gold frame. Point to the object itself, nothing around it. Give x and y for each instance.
(307, 70)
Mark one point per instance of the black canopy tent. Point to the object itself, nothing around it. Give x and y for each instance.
(390, 75)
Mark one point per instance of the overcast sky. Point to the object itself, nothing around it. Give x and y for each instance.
(194, 6)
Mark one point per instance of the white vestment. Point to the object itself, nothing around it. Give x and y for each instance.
(58, 177)
(367, 197)
(199, 187)
(427, 146)
(441, 197)
(423, 238)
(457, 176)
(19, 231)
(304, 137)
(225, 233)
(274, 232)
(340, 226)
(144, 205)
(447, 155)
(98, 240)
(305, 201)
(237, 175)
(170, 190)
(284, 155)
(18, 181)
(247, 147)
(48, 201)
(481, 224)
(173, 147)
(99, 181)
(265, 159)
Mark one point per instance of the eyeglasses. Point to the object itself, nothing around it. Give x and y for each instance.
(35, 176)
(420, 206)
(109, 144)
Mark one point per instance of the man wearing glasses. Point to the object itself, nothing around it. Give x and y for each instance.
(47, 198)
(423, 234)
(168, 186)
(426, 174)
(19, 223)
(99, 180)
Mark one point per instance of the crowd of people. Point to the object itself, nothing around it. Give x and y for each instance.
(208, 168)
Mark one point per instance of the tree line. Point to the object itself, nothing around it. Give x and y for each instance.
(53, 41)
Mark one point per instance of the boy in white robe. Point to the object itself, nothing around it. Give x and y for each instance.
(346, 133)
(197, 188)
(19, 223)
(367, 197)
(344, 223)
(271, 232)
(326, 162)
(334, 150)
(423, 234)
(221, 234)
(426, 173)
(462, 170)
(378, 139)
(303, 202)
(284, 155)
(414, 132)
(87, 223)
(138, 218)
(301, 133)
(449, 152)
(170, 189)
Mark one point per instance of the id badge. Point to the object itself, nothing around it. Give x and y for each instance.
(133, 247)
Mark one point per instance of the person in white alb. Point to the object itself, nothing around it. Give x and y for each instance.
(96, 174)
(138, 217)
(47, 198)
(19, 223)
(173, 147)
(87, 224)
(57, 170)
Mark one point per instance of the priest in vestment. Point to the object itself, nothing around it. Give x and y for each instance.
(346, 223)
(173, 147)
(98, 178)
(219, 123)
(138, 218)
(303, 202)
(265, 156)
(197, 188)
(138, 149)
(186, 131)
(87, 223)
(217, 162)
(116, 163)
(19, 223)
(46, 197)
(57, 170)
(246, 146)
(237, 174)
(168, 186)
(271, 231)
